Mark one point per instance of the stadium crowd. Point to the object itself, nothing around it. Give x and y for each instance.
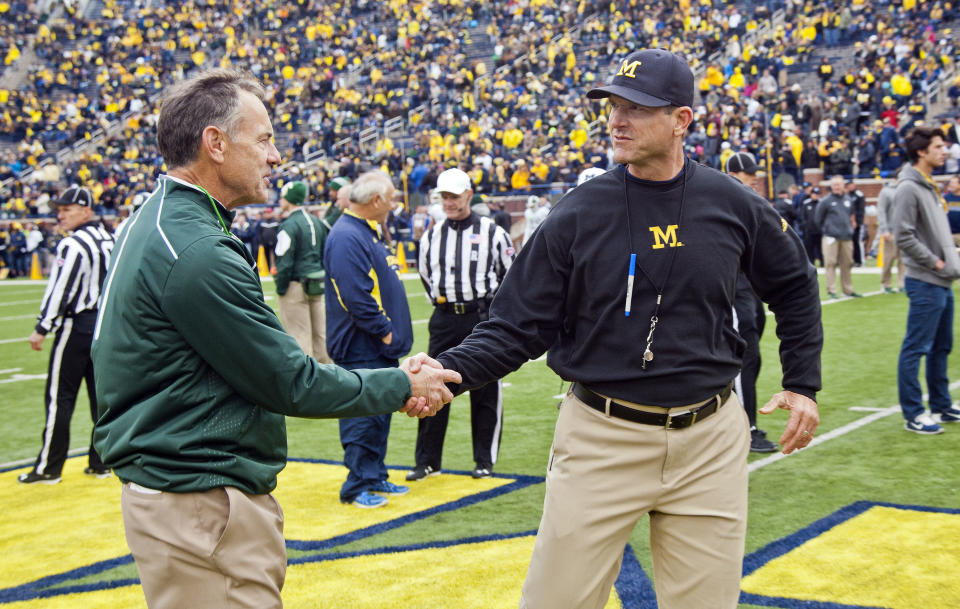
(510, 113)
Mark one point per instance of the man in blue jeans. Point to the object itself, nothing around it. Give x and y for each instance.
(922, 233)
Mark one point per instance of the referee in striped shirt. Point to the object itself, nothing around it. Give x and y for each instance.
(70, 308)
(462, 262)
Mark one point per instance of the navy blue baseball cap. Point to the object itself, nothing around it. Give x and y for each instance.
(651, 77)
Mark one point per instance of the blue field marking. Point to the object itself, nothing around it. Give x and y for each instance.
(793, 603)
(519, 482)
(633, 586)
(408, 548)
(44, 587)
(780, 547)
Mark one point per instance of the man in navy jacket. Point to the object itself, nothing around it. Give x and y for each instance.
(368, 326)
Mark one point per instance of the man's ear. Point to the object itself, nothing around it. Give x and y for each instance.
(683, 117)
(213, 143)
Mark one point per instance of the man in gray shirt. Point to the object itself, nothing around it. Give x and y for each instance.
(835, 218)
(930, 257)
(891, 253)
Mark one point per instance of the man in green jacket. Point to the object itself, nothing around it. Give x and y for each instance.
(194, 373)
(300, 274)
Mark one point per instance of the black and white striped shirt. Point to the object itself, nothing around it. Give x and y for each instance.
(464, 260)
(76, 276)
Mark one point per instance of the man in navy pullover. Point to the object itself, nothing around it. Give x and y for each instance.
(368, 326)
(629, 285)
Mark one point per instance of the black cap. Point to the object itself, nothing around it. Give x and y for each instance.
(741, 162)
(815, 189)
(652, 77)
(75, 195)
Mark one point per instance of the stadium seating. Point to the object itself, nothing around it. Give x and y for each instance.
(494, 87)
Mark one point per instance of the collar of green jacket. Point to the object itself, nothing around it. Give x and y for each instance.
(212, 205)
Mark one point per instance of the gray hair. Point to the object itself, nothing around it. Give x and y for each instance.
(370, 184)
(209, 99)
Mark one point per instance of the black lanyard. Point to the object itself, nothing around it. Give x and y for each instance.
(655, 318)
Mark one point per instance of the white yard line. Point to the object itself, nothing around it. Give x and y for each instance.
(21, 293)
(17, 302)
(9, 370)
(16, 317)
(16, 378)
(836, 433)
(73, 452)
(13, 340)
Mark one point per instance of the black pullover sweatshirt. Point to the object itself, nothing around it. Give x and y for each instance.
(566, 291)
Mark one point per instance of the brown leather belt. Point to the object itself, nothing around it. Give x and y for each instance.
(670, 420)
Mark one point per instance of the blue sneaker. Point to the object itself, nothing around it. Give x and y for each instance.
(923, 424)
(366, 499)
(951, 415)
(389, 488)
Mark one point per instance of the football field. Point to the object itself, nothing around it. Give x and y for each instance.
(867, 517)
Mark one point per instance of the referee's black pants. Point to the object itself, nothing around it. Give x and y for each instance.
(70, 363)
(751, 319)
(448, 330)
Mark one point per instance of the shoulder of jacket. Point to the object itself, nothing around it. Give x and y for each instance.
(207, 248)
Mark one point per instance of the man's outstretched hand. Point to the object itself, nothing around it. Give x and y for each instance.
(428, 384)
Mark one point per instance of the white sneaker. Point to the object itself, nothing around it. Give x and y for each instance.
(923, 424)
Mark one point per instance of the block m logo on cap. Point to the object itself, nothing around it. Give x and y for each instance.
(627, 68)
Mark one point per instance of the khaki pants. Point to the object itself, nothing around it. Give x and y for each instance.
(305, 320)
(870, 226)
(891, 254)
(838, 252)
(219, 548)
(607, 473)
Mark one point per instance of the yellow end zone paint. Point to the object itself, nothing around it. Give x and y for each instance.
(896, 558)
(483, 575)
(53, 529)
(49, 529)
(309, 494)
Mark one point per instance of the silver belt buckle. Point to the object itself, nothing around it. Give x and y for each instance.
(677, 415)
(459, 308)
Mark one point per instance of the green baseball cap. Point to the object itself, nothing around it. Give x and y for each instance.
(336, 183)
(294, 192)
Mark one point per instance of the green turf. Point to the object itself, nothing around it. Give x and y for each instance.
(878, 462)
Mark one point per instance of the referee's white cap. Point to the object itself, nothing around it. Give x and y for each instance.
(455, 181)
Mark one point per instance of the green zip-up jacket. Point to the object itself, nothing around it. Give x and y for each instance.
(299, 248)
(194, 373)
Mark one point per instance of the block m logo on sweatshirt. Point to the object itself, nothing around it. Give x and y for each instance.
(663, 238)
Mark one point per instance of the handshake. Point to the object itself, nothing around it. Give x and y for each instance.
(428, 384)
